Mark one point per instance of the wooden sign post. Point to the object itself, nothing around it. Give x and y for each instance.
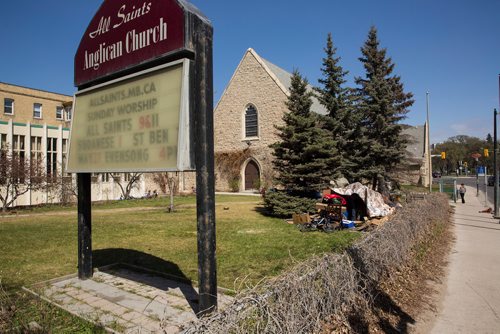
(149, 59)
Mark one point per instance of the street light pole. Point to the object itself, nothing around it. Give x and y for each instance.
(429, 143)
(495, 148)
(495, 171)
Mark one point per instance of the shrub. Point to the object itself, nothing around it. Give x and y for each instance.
(234, 185)
(282, 204)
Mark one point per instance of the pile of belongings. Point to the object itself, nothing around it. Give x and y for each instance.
(334, 199)
(375, 204)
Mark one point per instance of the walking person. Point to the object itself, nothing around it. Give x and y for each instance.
(462, 191)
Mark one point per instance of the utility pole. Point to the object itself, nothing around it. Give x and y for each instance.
(495, 144)
(429, 144)
(485, 185)
(495, 171)
(477, 177)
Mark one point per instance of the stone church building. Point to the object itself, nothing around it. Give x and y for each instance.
(250, 107)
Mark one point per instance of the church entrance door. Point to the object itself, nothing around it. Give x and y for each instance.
(252, 176)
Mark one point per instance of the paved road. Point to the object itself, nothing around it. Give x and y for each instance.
(472, 299)
(478, 188)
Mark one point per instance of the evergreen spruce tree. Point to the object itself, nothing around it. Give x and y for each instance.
(382, 105)
(340, 121)
(489, 138)
(304, 154)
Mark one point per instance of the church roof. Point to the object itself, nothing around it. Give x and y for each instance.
(416, 140)
(285, 78)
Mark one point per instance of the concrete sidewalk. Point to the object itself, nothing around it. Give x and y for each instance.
(472, 299)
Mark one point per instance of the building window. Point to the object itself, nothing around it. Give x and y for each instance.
(59, 113)
(64, 156)
(18, 145)
(3, 141)
(51, 157)
(37, 110)
(251, 123)
(36, 154)
(19, 152)
(67, 111)
(8, 106)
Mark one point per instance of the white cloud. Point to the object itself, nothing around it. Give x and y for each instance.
(471, 127)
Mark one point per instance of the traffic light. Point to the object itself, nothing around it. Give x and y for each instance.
(443, 155)
(465, 163)
(486, 153)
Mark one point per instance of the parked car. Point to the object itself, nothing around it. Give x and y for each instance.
(491, 180)
(436, 175)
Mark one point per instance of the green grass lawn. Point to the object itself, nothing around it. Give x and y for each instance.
(41, 244)
(162, 201)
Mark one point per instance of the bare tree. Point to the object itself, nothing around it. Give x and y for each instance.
(61, 188)
(19, 175)
(69, 190)
(168, 181)
(132, 180)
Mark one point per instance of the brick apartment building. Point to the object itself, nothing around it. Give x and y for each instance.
(36, 123)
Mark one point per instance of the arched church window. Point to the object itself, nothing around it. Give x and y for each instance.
(251, 122)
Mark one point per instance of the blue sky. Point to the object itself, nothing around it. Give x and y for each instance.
(449, 48)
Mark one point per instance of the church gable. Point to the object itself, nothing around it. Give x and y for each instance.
(254, 85)
(252, 104)
(245, 121)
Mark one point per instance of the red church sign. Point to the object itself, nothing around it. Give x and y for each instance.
(127, 33)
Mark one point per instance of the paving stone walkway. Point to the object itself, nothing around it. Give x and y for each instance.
(127, 301)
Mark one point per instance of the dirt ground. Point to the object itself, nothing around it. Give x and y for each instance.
(409, 300)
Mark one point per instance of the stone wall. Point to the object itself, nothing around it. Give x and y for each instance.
(410, 173)
(250, 84)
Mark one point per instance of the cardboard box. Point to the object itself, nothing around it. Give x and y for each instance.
(321, 206)
(301, 218)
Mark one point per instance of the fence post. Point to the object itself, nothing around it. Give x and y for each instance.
(454, 191)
